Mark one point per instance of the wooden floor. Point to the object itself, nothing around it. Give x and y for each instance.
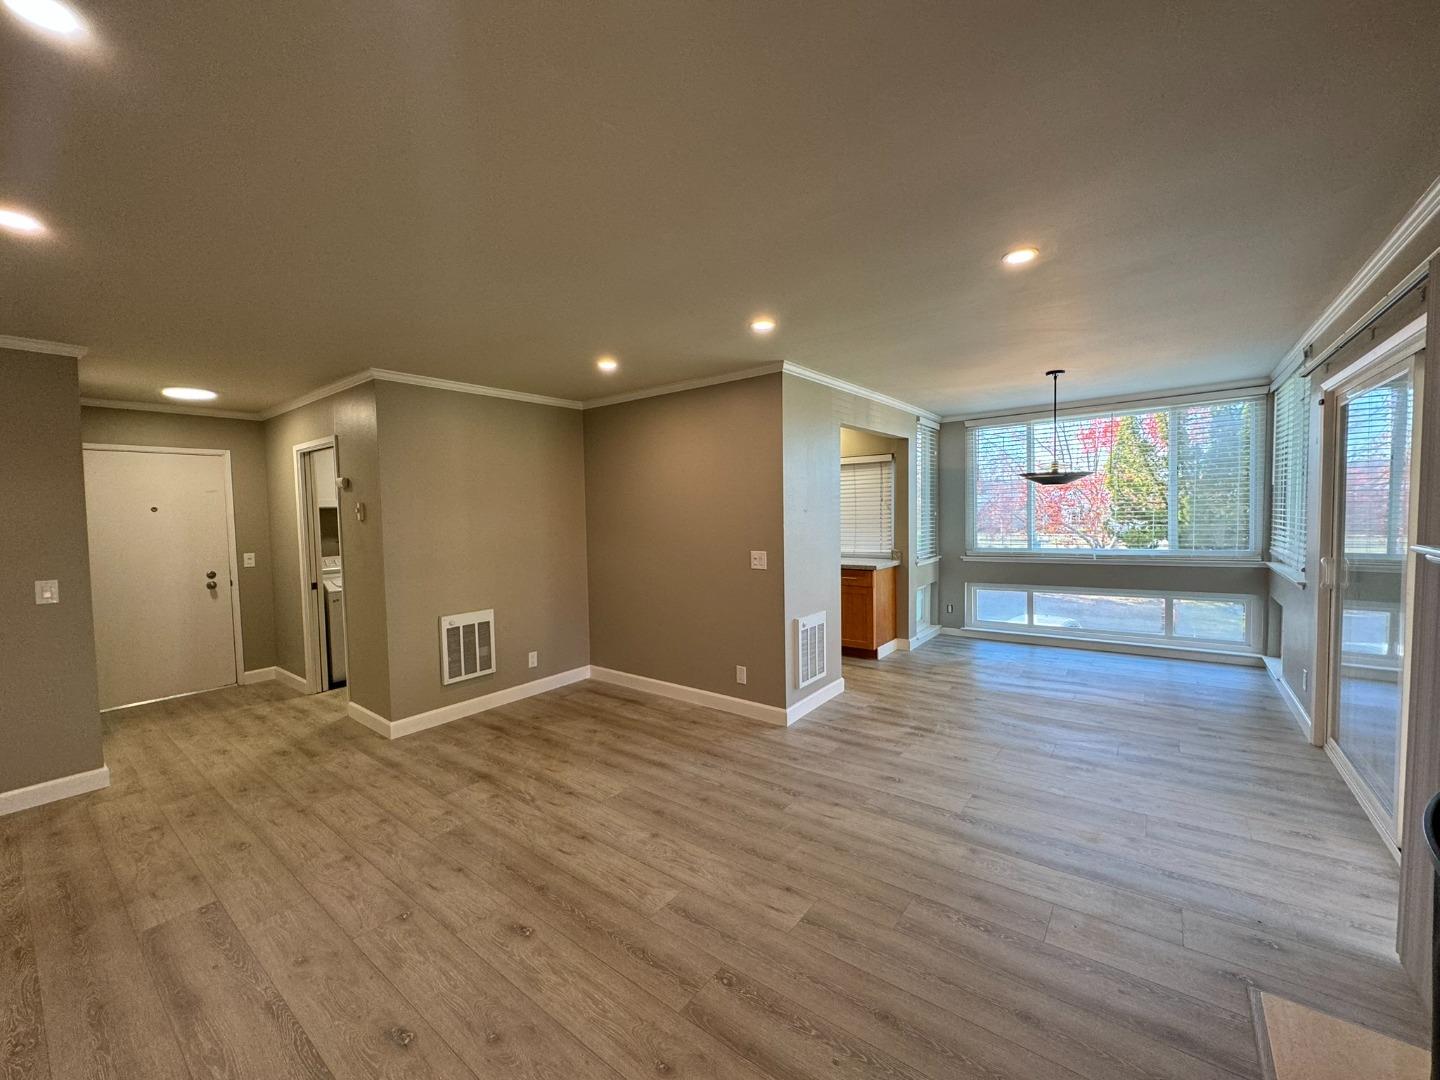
(984, 860)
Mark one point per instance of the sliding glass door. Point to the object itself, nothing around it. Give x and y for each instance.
(1372, 489)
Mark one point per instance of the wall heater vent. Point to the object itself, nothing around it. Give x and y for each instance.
(467, 646)
(809, 648)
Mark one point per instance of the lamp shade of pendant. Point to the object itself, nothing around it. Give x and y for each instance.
(1055, 476)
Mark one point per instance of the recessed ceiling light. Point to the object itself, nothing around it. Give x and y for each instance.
(1021, 256)
(17, 221)
(189, 393)
(49, 15)
(762, 324)
(607, 363)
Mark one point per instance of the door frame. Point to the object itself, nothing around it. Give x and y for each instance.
(311, 600)
(236, 623)
(1405, 346)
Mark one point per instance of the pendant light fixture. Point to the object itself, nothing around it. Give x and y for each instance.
(1053, 477)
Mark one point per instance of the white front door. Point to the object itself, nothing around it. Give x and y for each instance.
(160, 573)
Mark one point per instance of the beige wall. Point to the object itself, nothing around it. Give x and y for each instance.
(485, 508)
(1247, 580)
(49, 701)
(679, 490)
(350, 417)
(813, 417)
(245, 439)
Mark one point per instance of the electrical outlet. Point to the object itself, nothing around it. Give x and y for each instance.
(534, 659)
(1304, 679)
(949, 609)
(740, 675)
(249, 558)
(759, 560)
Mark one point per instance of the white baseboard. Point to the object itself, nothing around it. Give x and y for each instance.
(753, 710)
(924, 635)
(886, 649)
(277, 674)
(807, 705)
(1129, 648)
(48, 791)
(1297, 709)
(394, 729)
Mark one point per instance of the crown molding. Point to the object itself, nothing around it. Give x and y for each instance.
(858, 390)
(52, 348)
(155, 406)
(1236, 388)
(455, 386)
(383, 375)
(1415, 220)
(315, 395)
(682, 386)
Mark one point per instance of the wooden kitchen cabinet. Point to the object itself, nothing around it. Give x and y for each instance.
(867, 610)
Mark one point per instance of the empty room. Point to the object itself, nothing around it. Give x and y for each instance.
(760, 541)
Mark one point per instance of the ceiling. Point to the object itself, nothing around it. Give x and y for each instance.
(261, 198)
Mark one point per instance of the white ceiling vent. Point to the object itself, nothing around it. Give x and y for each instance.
(467, 646)
(809, 648)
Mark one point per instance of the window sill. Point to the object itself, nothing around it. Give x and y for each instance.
(1253, 562)
(1289, 573)
(1171, 648)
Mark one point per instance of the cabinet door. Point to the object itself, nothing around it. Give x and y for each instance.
(857, 618)
(883, 608)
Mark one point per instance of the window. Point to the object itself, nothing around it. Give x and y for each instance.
(867, 505)
(927, 491)
(1190, 620)
(1289, 470)
(1177, 481)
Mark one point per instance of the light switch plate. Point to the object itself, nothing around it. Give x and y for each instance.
(740, 675)
(249, 558)
(534, 659)
(47, 592)
(759, 560)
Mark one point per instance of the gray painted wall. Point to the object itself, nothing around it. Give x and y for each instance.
(245, 439)
(49, 700)
(350, 417)
(813, 417)
(485, 508)
(679, 490)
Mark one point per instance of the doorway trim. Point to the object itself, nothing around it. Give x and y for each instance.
(1405, 346)
(235, 621)
(314, 661)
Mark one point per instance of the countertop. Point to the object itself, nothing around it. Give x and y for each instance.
(850, 562)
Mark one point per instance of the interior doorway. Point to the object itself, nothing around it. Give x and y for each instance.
(161, 529)
(1369, 452)
(322, 566)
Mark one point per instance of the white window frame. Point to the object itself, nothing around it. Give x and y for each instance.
(927, 494)
(887, 460)
(1259, 415)
(1169, 639)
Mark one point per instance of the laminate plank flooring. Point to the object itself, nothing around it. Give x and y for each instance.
(983, 860)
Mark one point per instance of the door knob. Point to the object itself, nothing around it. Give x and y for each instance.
(211, 575)
(211, 585)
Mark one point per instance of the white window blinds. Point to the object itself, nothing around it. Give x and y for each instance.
(867, 506)
(1178, 480)
(1289, 471)
(927, 492)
